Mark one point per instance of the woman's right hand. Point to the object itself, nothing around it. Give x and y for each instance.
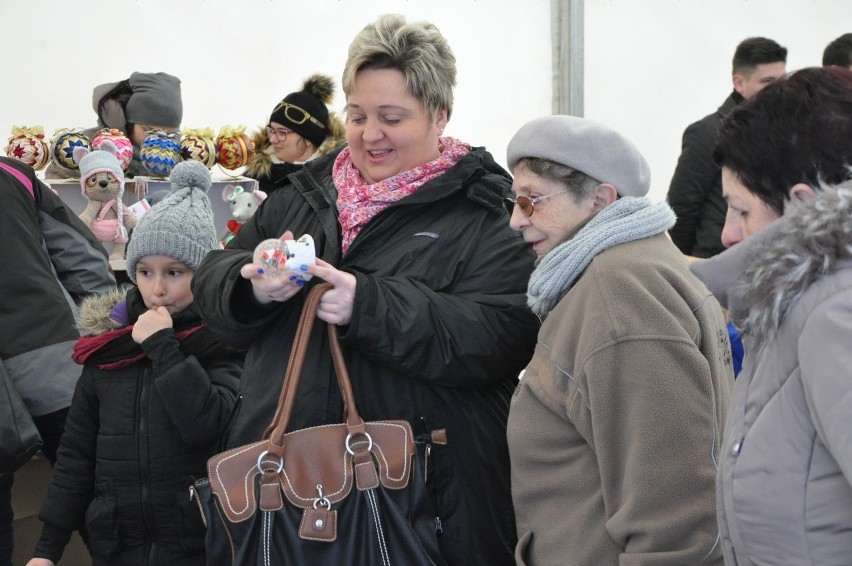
(267, 290)
(40, 562)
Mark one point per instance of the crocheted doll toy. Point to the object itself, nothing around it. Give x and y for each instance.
(102, 183)
(243, 204)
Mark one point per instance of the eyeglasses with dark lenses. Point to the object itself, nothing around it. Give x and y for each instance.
(296, 114)
(527, 204)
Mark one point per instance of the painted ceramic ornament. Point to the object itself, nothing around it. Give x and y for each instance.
(160, 152)
(29, 146)
(233, 147)
(199, 146)
(62, 147)
(279, 258)
(123, 145)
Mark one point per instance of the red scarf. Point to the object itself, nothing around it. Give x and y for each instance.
(123, 347)
(358, 202)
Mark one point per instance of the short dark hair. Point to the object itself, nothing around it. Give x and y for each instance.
(756, 51)
(796, 130)
(838, 52)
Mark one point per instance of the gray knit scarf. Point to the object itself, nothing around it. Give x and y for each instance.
(625, 220)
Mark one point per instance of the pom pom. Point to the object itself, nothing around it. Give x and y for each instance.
(320, 86)
(191, 174)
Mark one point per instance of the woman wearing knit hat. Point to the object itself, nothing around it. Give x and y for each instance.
(135, 106)
(299, 129)
(156, 391)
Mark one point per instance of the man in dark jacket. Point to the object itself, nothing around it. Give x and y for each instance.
(50, 259)
(695, 193)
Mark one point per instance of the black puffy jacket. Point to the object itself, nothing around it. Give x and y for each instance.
(136, 438)
(695, 193)
(439, 332)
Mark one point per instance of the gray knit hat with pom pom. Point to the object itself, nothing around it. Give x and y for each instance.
(180, 225)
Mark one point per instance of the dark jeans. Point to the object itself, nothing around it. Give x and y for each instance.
(50, 426)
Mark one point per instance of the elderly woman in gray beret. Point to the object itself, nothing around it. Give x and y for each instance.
(615, 428)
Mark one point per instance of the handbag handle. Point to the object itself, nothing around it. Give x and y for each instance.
(278, 427)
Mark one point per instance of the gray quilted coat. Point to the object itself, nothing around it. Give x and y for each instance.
(784, 493)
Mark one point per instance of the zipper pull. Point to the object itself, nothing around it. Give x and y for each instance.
(438, 528)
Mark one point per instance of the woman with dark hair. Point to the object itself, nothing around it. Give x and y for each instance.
(784, 488)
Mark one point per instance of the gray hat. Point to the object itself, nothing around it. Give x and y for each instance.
(584, 145)
(155, 100)
(102, 159)
(179, 226)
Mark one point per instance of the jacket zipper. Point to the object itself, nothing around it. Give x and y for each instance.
(142, 458)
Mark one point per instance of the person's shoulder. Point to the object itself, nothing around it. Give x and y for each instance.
(99, 313)
(321, 166)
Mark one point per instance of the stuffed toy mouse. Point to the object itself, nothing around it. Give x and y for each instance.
(102, 182)
(243, 204)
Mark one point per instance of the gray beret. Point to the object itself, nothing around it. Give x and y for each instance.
(155, 101)
(180, 225)
(584, 145)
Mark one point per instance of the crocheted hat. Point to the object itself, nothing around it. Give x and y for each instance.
(179, 226)
(584, 145)
(102, 159)
(306, 112)
(155, 100)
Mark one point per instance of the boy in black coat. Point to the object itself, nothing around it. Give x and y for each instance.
(156, 392)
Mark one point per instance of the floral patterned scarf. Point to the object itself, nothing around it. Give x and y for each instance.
(358, 202)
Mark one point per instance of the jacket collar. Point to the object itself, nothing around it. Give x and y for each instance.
(476, 164)
(816, 241)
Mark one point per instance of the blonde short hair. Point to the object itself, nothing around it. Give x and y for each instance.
(417, 50)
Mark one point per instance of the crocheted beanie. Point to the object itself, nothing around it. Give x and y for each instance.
(305, 112)
(180, 225)
(102, 159)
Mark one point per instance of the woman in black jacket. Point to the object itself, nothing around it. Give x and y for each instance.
(429, 286)
(300, 128)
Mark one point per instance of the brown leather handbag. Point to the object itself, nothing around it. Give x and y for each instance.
(348, 493)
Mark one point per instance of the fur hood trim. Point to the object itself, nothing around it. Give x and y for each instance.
(94, 312)
(262, 158)
(817, 234)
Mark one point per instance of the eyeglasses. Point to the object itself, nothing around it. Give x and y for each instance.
(296, 114)
(527, 204)
(279, 133)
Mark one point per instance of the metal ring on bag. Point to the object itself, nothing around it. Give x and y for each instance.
(322, 501)
(260, 458)
(369, 439)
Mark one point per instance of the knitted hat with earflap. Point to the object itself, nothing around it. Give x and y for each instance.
(103, 160)
(306, 112)
(179, 226)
